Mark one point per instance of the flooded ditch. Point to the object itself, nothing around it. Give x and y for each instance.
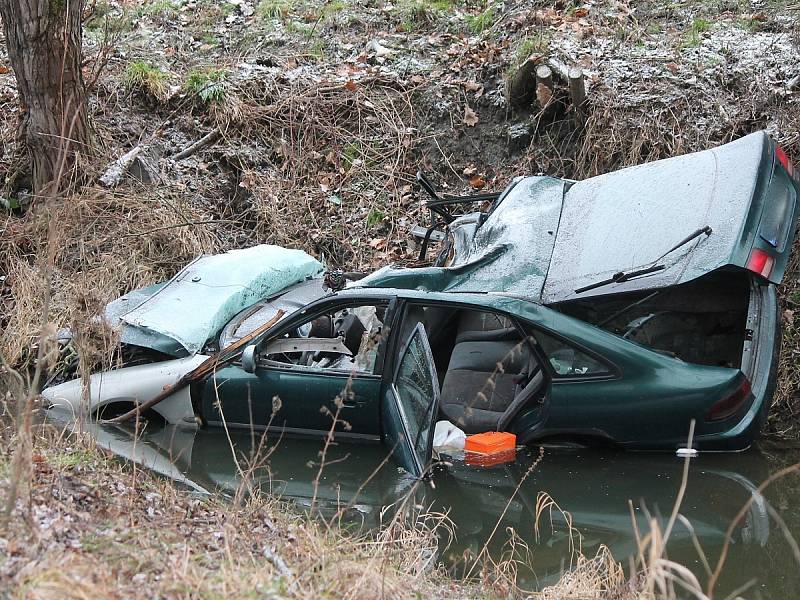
(604, 493)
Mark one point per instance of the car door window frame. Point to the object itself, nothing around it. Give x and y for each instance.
(517, 323)
(531, 329)
(311, 312)
(421, 462)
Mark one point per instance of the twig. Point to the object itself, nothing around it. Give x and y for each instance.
(210, 138)
(175, 226)
(682, 490)
(505, 510)
(280, 564)
(347, 391)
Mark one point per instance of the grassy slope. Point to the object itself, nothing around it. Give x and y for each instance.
(322, 133)
(91, 528)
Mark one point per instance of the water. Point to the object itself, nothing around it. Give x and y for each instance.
(603, 492)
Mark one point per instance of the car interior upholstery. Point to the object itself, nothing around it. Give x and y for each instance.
(486, 369)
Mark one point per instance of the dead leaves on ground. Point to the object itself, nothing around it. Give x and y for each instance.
(470, 117)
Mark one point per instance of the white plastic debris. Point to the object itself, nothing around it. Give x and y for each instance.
(447, 435)
(684, 452)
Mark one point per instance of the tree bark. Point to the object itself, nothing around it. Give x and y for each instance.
(44, 44)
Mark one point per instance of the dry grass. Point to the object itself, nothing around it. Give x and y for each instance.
(88, 526)
(324, 164)
(342, 165)
(783, 420)
(104, 244)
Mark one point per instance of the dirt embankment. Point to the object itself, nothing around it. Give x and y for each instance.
(324, 111)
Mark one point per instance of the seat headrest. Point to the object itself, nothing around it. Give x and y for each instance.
(507, 334)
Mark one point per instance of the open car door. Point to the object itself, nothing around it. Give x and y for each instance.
(411, 404)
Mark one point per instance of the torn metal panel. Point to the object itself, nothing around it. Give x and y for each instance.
(509, 251)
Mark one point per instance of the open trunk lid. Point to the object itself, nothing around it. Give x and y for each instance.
(626, 220)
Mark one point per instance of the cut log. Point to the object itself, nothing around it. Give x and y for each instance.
(577, 92)
(210, 138)
(577, 87)
(559, 68)
(522, 85)
(544, 85)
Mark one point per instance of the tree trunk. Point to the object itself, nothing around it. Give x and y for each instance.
(44, 44)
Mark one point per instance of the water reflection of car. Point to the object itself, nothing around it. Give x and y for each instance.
(356, 478)
(612, 310)
(593, 488)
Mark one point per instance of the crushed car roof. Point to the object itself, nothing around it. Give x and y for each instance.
(179, 316)
(508, 252)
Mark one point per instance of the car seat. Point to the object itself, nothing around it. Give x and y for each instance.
(492, 373)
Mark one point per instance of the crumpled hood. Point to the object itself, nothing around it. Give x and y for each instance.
(180, 316)
(547, 237)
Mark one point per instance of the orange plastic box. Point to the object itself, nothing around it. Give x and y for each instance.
(490, 442)
(473, 459)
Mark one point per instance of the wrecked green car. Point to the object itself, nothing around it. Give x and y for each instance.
(612, 310)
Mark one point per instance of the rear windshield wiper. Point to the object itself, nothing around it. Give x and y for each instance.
(653, 268)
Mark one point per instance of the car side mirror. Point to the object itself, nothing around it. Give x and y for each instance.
(249, 359)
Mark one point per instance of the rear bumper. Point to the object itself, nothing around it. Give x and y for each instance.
(760, 366)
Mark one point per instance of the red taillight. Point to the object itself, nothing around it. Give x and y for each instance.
(730, 405)
(780, 154)
(760, 262)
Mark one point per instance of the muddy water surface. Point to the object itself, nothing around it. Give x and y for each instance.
(604, 494)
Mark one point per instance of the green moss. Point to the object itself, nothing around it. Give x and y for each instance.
(299, 27)
(105, 17)
(374, 218)
(210, 39)
(351, 154)
(481, 22)
(747, 23)
(78, 457)
(275, 9)
(159, 8)
(691, 38)
(418, 13)
(332, 8)
(531, 46)
(317, 48)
